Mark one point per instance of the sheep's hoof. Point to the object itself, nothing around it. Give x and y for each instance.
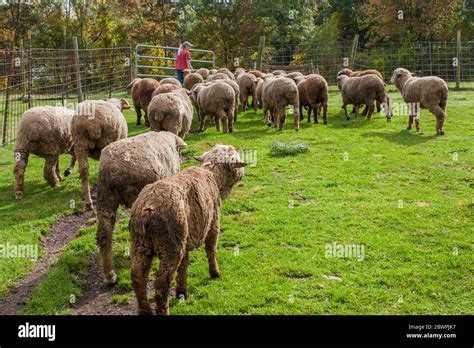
(231, 130)
(145, 311)
(111, 278)
(88, 206)
(325, 122)
(67, 172)
(440, 132)
(19, 195)
(348, 118)
(316, 122)
(269, 124)
(138, 123)
(215, 274)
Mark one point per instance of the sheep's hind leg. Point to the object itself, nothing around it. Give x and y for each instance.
(49, 171)
(106, 216)
(211, 249)
(168, 266)
(21, 160)
(141, 262)
(70, 169)
(139, 115)
(325, 113)
(370, 107)
(182, 278)
(82, 157)
(440, 117)
(58, 171)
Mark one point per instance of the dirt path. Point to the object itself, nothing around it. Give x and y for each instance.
(62, 232)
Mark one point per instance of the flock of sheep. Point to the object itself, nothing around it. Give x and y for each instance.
(172, 211)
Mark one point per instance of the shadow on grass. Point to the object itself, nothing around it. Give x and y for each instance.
(339, 121)
(404, 137)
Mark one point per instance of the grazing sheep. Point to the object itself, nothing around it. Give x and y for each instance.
(96, 124)
(429, 92)
(176, 215)
(218, 76)
(170, 80)
(363, 90)
(231, 83)
(257, 73)
(126, 166)
(172, 112)
(227, 72)
(247, 86)
(44, 131)
(277, 93)
(350, 73)
(166, 88)
(203, 72)
(313, 92)
(216, 100)
(190, 79)
(142, 89)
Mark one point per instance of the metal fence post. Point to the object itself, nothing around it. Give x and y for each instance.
(30, 71)
(130, 67)
(112, 72)
(458, 55)
(80, 96)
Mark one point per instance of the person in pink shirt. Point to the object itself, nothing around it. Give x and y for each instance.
(183, 60)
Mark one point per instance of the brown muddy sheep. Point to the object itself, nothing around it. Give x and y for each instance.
(203, 72)
(44, 131)
(166, 88)
(247, 87)
(96, 124)
(216, 100)
(190, 79)
(313, 92)
(217, 76)
(172, 112)
(170, 80)
(126, 166)
(363, 90)
(227, 72)
(142, 89)
(176, 215)
(257, 73)
(429, 92)
(277, 93)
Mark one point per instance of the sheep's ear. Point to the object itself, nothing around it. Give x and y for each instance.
(188, 92)
(239, 164)
(180, 144)
(124, 105)
(199, 158)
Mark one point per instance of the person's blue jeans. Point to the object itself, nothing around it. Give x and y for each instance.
(180, 75)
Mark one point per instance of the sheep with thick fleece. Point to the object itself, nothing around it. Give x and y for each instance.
(142, 89)
(257, 73)
(190, 79)
(314, 93)
(363, 90)
(227, 72)
(176, 215)
(277, 93)
(126, 166)
(203, 72)
(166, 88)
(172, 112)
(231, 83)
(247, 86)
(216, 100)
(170, 80)
(429, 92)
(239, 71)
(44, 131)
(96, 124)
(218, 76)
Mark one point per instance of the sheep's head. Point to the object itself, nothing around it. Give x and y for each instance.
(121, 103)
(345, 71)
(225, 163)
(341, 80)
(399, 77)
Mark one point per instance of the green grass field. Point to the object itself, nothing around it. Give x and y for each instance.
(407, 198)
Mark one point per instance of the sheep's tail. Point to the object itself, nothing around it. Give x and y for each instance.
(130, 85)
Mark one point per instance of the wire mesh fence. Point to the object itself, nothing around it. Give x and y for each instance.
(60, 77)
(422, 58)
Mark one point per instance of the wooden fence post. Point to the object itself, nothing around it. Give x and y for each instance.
(458, 55)
(80, 96)
(355, 45)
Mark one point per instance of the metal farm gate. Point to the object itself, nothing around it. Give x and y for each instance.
(159, 61)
